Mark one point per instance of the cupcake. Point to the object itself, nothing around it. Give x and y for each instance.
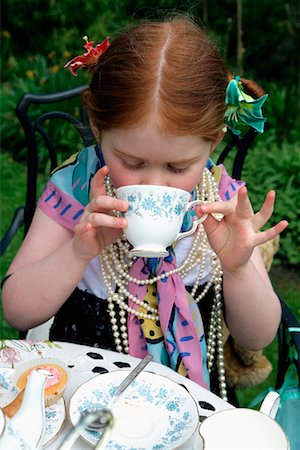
(54, 386)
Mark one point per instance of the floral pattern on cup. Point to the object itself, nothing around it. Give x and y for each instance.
(156, 205)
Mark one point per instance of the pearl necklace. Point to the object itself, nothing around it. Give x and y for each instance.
(115, 266)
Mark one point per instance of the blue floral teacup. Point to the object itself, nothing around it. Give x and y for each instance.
(155, 216)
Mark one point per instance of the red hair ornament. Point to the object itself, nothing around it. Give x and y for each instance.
(88, 60)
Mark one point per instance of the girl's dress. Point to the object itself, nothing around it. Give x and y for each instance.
(84, 317)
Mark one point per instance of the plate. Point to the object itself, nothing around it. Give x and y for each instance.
(153, 413)
(55, 414)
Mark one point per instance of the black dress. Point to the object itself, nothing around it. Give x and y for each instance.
(84, 319)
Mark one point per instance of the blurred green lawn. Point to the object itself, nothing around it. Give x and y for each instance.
(13, 175)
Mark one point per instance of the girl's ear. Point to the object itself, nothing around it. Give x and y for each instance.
(96, 132)
(218, 140)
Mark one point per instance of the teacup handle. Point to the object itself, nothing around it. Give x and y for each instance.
(195, 223)
(270, 404)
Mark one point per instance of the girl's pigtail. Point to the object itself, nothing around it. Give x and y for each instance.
(252, 88)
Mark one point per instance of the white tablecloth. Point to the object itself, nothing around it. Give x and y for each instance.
(86, 362)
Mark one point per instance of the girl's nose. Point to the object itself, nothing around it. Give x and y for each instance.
(155, 178)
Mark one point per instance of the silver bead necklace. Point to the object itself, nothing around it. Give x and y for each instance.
(115, 267)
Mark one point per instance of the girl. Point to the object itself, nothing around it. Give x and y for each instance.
(157, 101)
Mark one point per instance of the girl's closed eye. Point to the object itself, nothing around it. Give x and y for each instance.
(132, 165)
(175, 169)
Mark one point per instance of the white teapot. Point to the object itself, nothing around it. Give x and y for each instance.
(26, 428)
(242, 428)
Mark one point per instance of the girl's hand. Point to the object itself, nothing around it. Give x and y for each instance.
(234, 238)
(98, 226)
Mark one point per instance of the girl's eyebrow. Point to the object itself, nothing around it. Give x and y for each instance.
(126, 155)
(181, 161)
(186, 161)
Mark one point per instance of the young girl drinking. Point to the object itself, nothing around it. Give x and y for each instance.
(158, 101)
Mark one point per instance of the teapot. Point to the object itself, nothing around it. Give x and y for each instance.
(242, 428)
(26, 428)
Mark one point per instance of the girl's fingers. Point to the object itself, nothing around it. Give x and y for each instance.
(243, 208)
(104, 220)
(266, 211)
(97, 183)
(224, 208)
(103, 203)
(210, 223)
(99, 199)
(83, 228)
(94, 215)
(265, 236)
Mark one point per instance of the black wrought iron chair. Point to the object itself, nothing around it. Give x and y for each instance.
(236, 148)
(32, 129)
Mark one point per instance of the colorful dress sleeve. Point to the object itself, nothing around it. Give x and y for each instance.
(228, 187)
(68, 189)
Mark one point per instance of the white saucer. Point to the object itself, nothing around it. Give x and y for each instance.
(153, 413)
(55, 414)
(146, 253)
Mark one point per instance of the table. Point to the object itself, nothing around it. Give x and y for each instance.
(86, 362)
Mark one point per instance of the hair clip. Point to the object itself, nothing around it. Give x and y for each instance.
(88, 60)
(243, 108)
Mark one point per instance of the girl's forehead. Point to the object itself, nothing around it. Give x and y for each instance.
(136, 141)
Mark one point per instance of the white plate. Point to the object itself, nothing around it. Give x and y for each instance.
(153, 413)
(55, 414)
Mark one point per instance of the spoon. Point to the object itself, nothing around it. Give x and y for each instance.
(103, 417)
(101, 421)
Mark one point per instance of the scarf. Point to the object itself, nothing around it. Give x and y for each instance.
(177, 339)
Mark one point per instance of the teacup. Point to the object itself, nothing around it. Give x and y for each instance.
(155, 216)
(244, 429)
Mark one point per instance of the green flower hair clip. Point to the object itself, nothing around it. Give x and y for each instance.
(243, 108)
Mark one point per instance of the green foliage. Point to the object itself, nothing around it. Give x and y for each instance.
(36, 74)
(281, 110)
(56, 27)
(269, 166)
(35, 48)
(12, 183)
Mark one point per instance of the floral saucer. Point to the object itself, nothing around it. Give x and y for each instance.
(55, 414)
(153, 413)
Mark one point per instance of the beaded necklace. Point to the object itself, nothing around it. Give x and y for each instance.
(115, 266)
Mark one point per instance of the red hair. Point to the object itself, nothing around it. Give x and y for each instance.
(169, 70)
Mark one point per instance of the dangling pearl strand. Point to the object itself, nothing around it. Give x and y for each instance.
(115, 266)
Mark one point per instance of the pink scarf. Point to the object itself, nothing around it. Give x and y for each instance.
(181, 340)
